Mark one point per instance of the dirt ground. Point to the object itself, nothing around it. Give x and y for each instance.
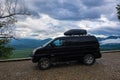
(106, 68)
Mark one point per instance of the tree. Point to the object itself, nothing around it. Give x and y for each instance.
(9, 11)
(5, 50)
(118, 11)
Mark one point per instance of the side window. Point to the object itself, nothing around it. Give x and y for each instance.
(57, 43)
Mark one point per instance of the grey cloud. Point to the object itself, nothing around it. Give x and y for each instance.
(34, 35)
(93, 3)
(69, 10)
(108, 31)
(73, 10)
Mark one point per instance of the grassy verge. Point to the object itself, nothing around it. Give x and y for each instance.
(19, 54)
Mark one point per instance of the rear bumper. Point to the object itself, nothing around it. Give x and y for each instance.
(98, 55)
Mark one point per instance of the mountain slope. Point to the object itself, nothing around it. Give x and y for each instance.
(27, 43)
(110, 43)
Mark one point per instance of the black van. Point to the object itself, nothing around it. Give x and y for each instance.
(75, 45)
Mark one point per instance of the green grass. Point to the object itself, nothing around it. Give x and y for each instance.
(21, 53)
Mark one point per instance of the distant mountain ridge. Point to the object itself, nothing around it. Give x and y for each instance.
(27, 43)
(34, 43)
(109, 37)
(109, 43)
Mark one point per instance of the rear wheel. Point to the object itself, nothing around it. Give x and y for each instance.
(89, 59)
(44, 63)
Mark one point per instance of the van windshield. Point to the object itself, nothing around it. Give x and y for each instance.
(47, 43)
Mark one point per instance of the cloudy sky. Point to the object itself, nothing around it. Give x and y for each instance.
(51, 18)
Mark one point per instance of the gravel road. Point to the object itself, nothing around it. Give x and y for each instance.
(106, 68)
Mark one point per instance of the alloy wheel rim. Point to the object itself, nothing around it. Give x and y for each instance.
(44, 64)
(89, 59)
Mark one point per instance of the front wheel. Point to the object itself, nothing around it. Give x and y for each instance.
(89, 59)
(44, 63)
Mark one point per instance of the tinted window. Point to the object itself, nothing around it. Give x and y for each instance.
(78, 41)
(58, 43)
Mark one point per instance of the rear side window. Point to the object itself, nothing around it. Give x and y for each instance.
(77, 41)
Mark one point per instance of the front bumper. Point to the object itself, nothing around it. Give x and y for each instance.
(35, 59)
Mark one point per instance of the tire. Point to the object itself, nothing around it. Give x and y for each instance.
(89, 59)
(44, 63)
